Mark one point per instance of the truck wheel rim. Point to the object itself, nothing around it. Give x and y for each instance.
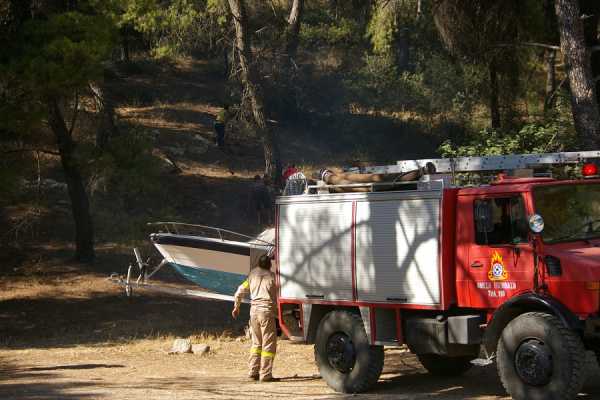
(533, 362)
(340, 352)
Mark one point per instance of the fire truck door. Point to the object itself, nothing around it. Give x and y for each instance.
(500, 258)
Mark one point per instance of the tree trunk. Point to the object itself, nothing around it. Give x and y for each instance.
(551, 36)
(125, 49)
(107, 127)
(289, 69)
(253, 88)
(494, 94)
(403, 49)
(333, 8)
(125, 56)
(293, 29)
(577, 61)
(550, 61)
(84, 232)
(225, 62)
(591, 9)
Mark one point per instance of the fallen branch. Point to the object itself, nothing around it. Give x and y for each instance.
(52, 152)
(542, 45)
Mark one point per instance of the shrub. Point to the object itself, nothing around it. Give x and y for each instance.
(531, 138)
(343, 32)
(379, 85)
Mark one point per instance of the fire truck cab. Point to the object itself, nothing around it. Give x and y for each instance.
(461, 275)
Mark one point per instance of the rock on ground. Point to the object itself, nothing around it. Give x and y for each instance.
(181, 346)
(200, 349)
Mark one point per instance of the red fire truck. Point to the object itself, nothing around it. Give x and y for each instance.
(506, 272)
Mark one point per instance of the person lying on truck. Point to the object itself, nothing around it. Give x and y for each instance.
(350, 178)
(260, 285)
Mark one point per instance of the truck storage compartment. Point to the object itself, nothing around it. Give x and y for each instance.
(397, 249)
(315, 243)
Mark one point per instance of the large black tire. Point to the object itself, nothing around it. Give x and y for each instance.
(346, 360)
(445, 366)
(539, 358)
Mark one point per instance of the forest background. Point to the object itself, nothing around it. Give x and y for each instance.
(106, 106)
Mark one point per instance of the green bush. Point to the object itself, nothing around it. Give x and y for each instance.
(378, 84)
(454, 88)
(531, 138)
(123, 173)
(343, 32)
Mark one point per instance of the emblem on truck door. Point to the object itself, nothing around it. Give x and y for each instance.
(497, 271)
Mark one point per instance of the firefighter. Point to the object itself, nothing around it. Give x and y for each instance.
(219, 126)
(260, 200)
(260, 285)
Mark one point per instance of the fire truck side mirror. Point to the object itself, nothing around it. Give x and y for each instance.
(536, 223)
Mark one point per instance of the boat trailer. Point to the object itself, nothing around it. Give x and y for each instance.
(132, 284)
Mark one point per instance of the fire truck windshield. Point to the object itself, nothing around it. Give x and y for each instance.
(570, 212)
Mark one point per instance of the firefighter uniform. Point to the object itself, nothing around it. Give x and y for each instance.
(219, 126)
(261, 287)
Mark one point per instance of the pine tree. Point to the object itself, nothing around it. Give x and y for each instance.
(53, 52)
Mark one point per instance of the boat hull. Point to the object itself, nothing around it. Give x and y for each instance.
(213, 280)
(217, 265)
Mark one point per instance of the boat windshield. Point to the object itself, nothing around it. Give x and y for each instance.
(570, 212)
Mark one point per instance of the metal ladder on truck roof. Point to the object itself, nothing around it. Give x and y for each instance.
(485, 163)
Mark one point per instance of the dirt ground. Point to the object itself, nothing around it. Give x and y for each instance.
(67, 333)
(142, 370)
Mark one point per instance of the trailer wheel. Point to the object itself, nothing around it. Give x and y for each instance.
(540, 359)
(346, 360)
(445, 366)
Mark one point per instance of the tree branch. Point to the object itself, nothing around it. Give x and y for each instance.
(530, 44)
(560, 85)
(273, 9)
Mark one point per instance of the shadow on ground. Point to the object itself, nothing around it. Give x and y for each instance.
(46, 322)
(62, 304)
(22, 383)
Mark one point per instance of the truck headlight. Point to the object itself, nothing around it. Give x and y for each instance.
(536, 223)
